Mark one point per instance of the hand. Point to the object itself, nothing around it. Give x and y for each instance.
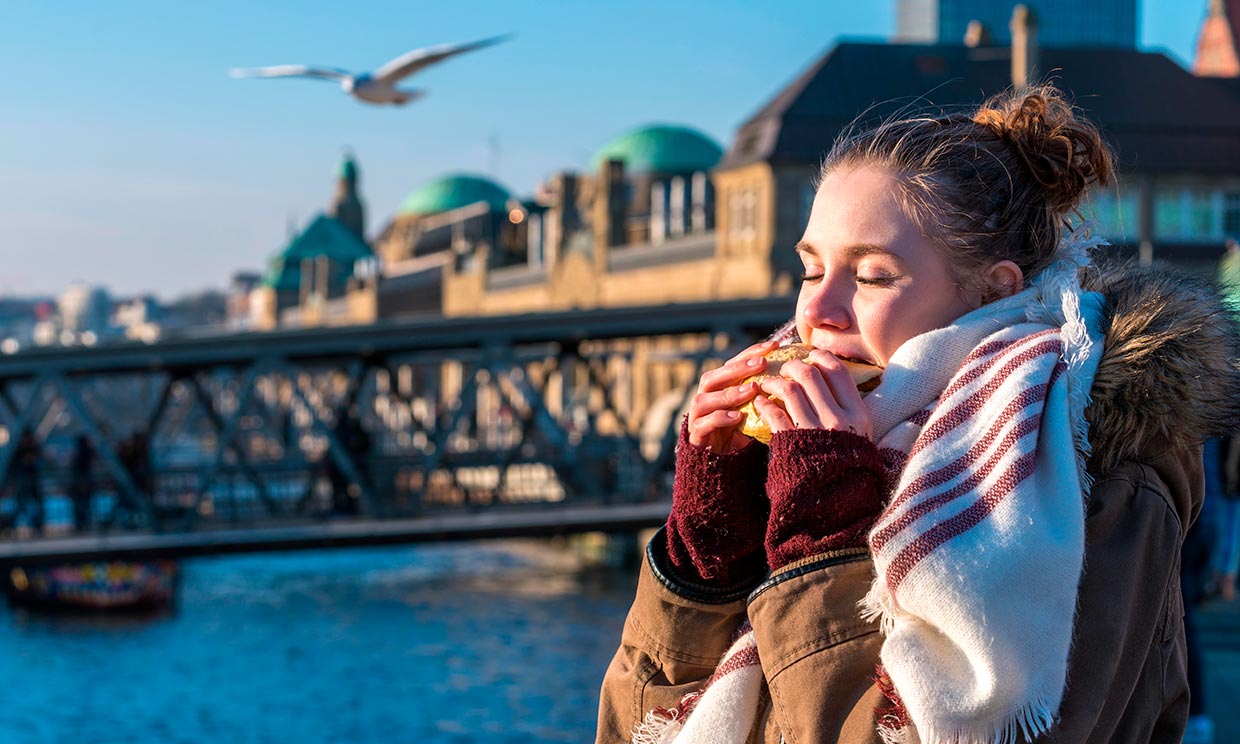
(817, 395)
(713, 419)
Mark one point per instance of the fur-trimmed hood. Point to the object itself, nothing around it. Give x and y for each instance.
(1169, 375)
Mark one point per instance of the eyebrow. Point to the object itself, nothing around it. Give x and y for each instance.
(853, 251)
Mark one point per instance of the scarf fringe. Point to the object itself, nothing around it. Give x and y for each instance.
(660, 727)
(1027, 723)
(1063, 287)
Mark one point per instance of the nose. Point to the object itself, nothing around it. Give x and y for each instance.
(827, 305)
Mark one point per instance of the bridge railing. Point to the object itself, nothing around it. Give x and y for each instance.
(392, 420)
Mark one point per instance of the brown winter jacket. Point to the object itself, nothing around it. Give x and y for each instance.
(1165, 382)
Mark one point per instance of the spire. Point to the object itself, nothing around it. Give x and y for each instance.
(1218, 42)
(347, 207)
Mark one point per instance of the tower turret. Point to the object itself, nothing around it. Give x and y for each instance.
(347, 207)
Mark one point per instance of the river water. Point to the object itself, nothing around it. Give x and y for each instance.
(479, 642)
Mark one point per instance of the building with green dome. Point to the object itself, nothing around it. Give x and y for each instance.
(637, 225)
(660, 148)
(318, 262)
(454, 191)
(653, 185)
(454, 209)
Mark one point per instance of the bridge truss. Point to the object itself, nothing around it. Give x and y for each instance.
(394, 420)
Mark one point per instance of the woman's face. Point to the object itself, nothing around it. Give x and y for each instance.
(872, 280)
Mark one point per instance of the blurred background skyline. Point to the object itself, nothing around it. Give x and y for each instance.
(131, 159)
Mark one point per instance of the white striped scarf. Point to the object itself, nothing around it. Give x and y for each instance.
(978, 554)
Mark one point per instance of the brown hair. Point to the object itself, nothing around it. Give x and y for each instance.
(991, 185)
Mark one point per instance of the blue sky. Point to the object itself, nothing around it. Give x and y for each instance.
(129, 158)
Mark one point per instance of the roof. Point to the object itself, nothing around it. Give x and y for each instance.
(324, 236)
(1158, 116)
(454, 191)
(661, 148)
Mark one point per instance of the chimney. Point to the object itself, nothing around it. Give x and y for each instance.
(1024, 28)
(1218, 50)
(609, 205)
(977, 35)
(561, 219)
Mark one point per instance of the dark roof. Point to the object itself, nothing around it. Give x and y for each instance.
(1158, 116)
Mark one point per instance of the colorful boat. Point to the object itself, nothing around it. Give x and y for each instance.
(100, 585)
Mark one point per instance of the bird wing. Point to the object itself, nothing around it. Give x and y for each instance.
(324, 73)
(410, 62)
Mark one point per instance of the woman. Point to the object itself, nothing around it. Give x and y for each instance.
(984, 548)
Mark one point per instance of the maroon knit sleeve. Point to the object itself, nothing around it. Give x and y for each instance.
(719, 512)
(826, 491)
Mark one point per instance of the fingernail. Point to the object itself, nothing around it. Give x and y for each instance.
(753, 361)
(734, 414)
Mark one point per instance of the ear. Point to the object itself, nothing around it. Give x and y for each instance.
(1002, 279)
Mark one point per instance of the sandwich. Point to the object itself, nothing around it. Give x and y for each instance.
(865, 376)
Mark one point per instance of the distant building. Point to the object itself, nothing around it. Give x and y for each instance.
(1218, 43)
(85, 314)
(1063, 22)
(316, 265)
(1178, 194)
(240, 315)
(140, 318)
(638, 228)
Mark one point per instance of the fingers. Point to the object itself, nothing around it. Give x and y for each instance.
(819, 395)
(732, 397)
(713, 418)
(838, 378)
(746, 364)
(776, 418)
(703, 431)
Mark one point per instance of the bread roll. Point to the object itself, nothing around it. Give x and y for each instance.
(865, 376)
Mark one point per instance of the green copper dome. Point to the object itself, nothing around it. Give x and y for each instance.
(661, 148)
(455, 191)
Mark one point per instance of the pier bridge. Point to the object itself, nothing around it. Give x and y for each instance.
(435, 429)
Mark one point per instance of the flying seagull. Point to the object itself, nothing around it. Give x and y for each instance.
(379, 86)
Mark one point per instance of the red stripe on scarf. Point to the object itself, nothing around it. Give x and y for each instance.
(924, 545)
(745, 657)
(946, 473)
(912, 554)
(974, 403)
(994, 348)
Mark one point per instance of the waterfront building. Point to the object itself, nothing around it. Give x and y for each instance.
(448, 224)
(316, 265)
(1064, 22)
(1177, 135)
(663, 214)
(637, 228)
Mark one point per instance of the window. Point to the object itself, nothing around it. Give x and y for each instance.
(1195, 214)
(1201, 213)
(1231, 215)
(734, 215)
(1167, 222)
(749, 208)
(1114, 214)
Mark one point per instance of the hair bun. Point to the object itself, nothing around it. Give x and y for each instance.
(1062, 151)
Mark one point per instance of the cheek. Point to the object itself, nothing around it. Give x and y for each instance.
(801, 322)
